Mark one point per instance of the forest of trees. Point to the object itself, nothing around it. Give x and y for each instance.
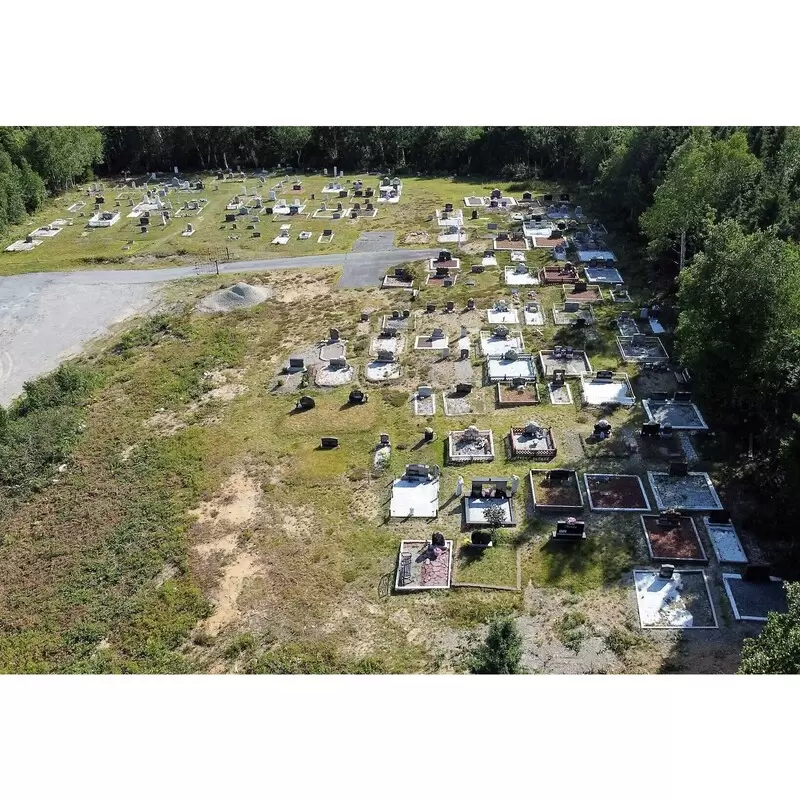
(731, 194)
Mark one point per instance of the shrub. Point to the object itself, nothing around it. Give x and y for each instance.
(501, 652)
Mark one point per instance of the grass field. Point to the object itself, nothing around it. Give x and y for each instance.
(196, 526)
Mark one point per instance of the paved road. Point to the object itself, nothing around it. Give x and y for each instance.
(46, 317)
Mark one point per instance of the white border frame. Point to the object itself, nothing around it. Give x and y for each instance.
(644, 627)
(651, 418)
(709, 484)
(592, 507)
(398, 588)
(728, 576)
(558, 509)
(709, 525)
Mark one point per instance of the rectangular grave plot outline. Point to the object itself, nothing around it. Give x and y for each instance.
(676, 627)
(663, 506)
(703, 558)
(732, 576)
(730, 529)
(587, 475)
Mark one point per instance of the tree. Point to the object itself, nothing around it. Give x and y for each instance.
(501, 652)
(739, 326)
(707, 180)
(291, 140)
(495, 516)
(776, 650)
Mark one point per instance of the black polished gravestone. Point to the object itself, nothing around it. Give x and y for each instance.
(678, 469)
(757, 573)
(357, 397)
(305, 403)
(720, 516)
(650, 429)
(329, 442)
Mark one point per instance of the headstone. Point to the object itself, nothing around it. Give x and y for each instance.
(451, 306)
(470, 304)
(757, 573)
(305, 403)
(384, 439)
(430, 308)
(463, 388)
(475, 213)
(605, 374)
(678, 469)
(338, 363)
(682, 397)
(424, 391)
(364, 316)
(329, 442)
(296, 364)
(357, 396)
(428, 434)
(719, 517)
(666, 572)
(650, 429)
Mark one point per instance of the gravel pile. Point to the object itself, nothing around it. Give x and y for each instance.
(241, 295)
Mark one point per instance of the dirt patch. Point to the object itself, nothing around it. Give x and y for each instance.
(304, 291)
(237, 503)
(417, 237)
(678, 543)
(616, 492)
(165, 423)
(226, 598)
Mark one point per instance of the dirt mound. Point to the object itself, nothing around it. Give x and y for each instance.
(416, 237)
(241, 295)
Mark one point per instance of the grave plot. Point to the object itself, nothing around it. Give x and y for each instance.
(336, 372)
(533, 205)
(325, 237)
(488, 260)
(507, 241)
(581, 293)
(335, 188)
(475, 202)
(572, 362)
(519, 393)
(559, 392)
(615, 492)
(533, 313)
(76, 207)
(283, 235)
(453, 235)
(520, 275)
(23, 245)
(627, 327)
(398, 320)
(444, 260)
(556, 490)
(570, 312)
(437, 340)
(752, 600)
(305, 236)
(462, 399)
(499, 341)
(441, 278)
(663, 447)
(549, 242)
(510, 366)
(692, 491)
(557, 274)
(500, 204)
(602, 259)
(596, 228)
(488, 493)
(415, 495)
(424, 401)
(619, 294)
(680, 601)
(607, 388)
(324, 212)
(448, 217)
(367, 211)
(502, 314)
(672, 537)
(104, 219)
(724, 539)
(48, 231)
(470, 445)
(536, 229)
(421, 565)
(642, 349)
(191, 208)
(533, 441)
(389, 341)
(682, 416)
(384, 367)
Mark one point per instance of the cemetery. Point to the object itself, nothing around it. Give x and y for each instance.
(602, 275)
(642, 349)
(681, 414)
(533, 228)
(558, 390)
(684, 490)
(668, 598)
(499, 341)
(49, 231)
(444, 260)
(533, 441)
(283, 235)
(383, 368)
(754, 594)
(619, 294)
(533, 313)
(615, 492)
(518, 393)
(724, 539)
(424, 401)
(571, 311)
(470, 445)
(572, 363)
(398, 278)
(424, 564)
(436, 340)
(23, 245)
(475, 202)
(555, 274)
(672, 537)
(607, 388)
(520, 275)
(387, 340)
(104, 219)
(447, 217)
(556, 490)
(335, 372)
(510, 366)
(501, 314)
(453, 235)
(581, 293)
(415, 495)
(462, 400)
(442, 277)
(626, 326)
(486, 493)
(510, 241)
(549, 242)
